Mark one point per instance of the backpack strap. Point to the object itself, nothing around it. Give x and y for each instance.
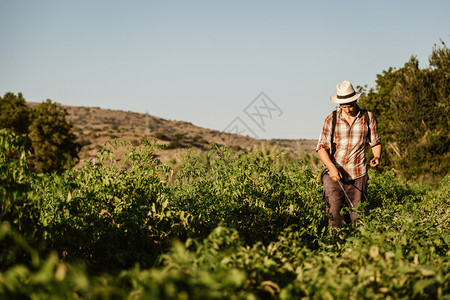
(366, 117)
(333, 127)
(333, 145)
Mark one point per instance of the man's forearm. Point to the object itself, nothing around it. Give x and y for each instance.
(325, 158)
(375, 161)
(376, 150)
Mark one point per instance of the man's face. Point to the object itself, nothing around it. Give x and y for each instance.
(350, 108)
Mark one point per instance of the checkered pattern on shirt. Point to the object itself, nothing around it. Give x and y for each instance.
(350, 142)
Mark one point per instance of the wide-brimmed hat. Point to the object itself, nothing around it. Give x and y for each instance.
(345, 93)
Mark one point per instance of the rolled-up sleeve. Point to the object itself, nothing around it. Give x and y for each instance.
(325, 134)
(375, 138)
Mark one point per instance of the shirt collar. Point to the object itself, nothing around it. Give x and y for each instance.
(359, 115)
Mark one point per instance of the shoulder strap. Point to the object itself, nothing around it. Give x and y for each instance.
(366, 117)
(333, 127)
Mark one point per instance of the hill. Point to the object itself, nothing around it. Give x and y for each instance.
(94, 126)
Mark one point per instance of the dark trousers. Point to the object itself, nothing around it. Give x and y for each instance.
(335, 198)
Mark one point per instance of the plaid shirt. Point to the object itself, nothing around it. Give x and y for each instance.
(350, 143)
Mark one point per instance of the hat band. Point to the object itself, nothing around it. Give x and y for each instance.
(346, 96)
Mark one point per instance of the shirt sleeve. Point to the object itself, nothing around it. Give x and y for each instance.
(375, 138)
(325, 134)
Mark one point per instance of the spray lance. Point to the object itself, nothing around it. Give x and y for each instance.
(350, 201)
(346, 196)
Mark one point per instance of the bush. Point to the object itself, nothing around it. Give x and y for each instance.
(52, 142)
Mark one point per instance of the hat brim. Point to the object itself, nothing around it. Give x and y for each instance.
(335, 99)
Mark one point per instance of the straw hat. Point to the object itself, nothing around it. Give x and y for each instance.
(345, 93)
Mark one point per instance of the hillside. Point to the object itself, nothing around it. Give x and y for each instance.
(95, 126)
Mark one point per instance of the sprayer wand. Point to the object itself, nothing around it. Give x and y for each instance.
(346, 196)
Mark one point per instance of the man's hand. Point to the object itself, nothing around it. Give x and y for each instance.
(374, 162)
(334, 173)
(332, 170)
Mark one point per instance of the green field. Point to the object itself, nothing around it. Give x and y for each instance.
(226, 225)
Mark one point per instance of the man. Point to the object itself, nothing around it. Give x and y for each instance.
(341, 148)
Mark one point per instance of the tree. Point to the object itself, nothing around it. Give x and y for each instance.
(50, 139)
(53, 142)
(412, 107)
(378, 101)
(15, 115)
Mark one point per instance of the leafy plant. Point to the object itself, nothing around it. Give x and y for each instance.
(227, 225)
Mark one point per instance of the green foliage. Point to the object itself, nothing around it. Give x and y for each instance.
(122, 204)
(52, 142)
(18, 209)
(248, 192)
(14, 177)
(15, 115)
(54, 145)
(412, 108)
(231, 225)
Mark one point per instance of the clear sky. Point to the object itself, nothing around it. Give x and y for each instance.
(206, 62)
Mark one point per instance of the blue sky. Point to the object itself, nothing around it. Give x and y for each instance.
(204, 62)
